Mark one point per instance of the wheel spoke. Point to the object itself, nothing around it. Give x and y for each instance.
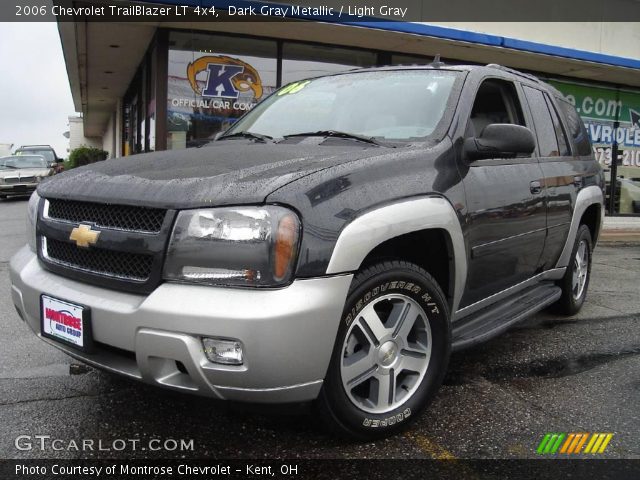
(576, 275)
(358, 370)
(407, 320)
(386, 389)
(373, 326)
(412, 361)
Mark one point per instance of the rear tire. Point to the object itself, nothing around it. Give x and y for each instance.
(575, 282)
(391, 352)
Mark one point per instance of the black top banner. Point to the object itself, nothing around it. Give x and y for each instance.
(355, 11)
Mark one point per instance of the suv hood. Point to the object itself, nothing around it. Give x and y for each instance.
(229, 172)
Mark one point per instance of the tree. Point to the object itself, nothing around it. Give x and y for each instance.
(84, 156)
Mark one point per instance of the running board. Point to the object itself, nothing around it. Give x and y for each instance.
(495, 319)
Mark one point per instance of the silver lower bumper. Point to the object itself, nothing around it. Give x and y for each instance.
(288, 334)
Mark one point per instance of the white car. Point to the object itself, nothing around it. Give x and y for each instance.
(21, 174)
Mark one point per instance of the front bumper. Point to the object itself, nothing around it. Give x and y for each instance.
(288, 334)
(17, 188)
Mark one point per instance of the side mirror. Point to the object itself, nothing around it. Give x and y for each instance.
(500, 140)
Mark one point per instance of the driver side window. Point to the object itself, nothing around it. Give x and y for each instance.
(496, 102)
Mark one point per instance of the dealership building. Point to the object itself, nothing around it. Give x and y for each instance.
(162, 85)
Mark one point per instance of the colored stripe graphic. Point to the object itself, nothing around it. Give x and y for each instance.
(605, 442)
(572, 443)
(592, 440)
(543, 443)
(566, 445)
(550, 443)
(581, 443)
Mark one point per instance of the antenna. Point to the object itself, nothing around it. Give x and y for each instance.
(436, 63)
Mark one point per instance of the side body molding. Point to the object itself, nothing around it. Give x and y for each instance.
(586, 197)
(377, 226)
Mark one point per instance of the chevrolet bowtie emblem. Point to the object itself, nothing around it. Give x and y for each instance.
(84, 236)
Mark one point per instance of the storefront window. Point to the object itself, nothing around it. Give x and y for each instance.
(601, 109)
(213, 80)
(401, 59)
(302, 61)
(151, 100)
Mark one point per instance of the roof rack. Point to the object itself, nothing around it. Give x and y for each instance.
(514, 72)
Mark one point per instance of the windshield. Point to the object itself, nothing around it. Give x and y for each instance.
(48, 154)
(23, 161)
(398, 105)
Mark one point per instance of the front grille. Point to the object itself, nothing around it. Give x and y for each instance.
(124, 265)
(13, 180)
(121, 217)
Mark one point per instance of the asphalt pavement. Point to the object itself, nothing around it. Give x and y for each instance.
(548, 374)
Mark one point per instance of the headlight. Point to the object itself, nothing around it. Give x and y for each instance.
(32, 217)
(244, 246)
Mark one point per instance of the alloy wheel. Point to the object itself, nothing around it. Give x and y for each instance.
(386, 353)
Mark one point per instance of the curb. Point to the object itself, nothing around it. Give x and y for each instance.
(620, 236)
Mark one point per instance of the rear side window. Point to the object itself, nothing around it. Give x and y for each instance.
(547, 141)
(576, 129)
(563, 142)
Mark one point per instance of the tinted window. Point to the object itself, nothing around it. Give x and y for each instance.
(576, 128)
(563, 143)
(547, 142)
(496, 102)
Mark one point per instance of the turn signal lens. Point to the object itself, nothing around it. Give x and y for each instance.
(285, 246)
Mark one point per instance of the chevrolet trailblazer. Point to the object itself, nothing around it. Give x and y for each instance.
(333, 246)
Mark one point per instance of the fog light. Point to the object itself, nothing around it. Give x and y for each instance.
(227, 352)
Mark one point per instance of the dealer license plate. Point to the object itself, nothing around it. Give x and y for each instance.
(65, 322)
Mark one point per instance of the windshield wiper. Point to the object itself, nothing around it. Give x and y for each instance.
(246, 134)
(10, 166)
(338, 134)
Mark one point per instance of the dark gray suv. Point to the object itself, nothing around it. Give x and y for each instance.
(333, 246)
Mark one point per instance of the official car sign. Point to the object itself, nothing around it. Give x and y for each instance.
(64, 321)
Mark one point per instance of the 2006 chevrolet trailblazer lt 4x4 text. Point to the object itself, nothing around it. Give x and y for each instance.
(333, 246)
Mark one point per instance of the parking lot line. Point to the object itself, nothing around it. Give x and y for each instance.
(431, 448)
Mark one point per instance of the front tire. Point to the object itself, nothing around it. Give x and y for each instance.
(390, 354)
(575, 282)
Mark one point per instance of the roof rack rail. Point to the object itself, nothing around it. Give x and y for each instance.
(38, 145)
(514, 72)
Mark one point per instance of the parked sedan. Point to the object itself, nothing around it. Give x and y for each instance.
(21, 174)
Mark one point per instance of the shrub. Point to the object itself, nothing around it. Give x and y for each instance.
(84, 156)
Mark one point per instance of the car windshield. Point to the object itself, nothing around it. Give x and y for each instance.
(398, 105)
(47, 154)
(23, 161)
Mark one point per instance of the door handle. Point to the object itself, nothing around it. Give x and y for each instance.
(535, 187)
